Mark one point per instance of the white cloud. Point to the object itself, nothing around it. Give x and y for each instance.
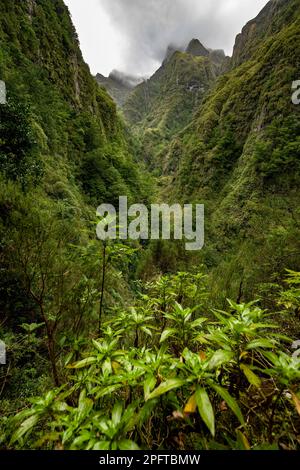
(100, 42)
(132, 35)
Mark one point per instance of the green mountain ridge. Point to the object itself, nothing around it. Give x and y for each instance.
(272, 18)
(240, 156)
(161, 106)
(42, 66)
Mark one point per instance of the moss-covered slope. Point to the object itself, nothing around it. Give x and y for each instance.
(161, 106)
(241, 154)
(63, 151)
(72, 118)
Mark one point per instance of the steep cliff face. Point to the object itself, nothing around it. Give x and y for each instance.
(241, 154)
(63, 151)
(42, 65)
(41, 32)
(273, 17)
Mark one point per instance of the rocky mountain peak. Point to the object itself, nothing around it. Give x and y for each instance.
(197, 49)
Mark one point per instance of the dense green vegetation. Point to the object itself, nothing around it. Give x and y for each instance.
(52, 92)
(63, 151)
(114, 345)
(173, 376)
(240, 156)
(161, 106)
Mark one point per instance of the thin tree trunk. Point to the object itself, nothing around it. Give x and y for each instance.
(136, 341)
(102, 288)
(240, 294)
(51, 352)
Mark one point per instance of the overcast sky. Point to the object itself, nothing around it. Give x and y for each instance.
(132, 35)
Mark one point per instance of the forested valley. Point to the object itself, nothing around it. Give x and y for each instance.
(122, 344)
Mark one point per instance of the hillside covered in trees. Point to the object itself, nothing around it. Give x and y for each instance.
(126, 345)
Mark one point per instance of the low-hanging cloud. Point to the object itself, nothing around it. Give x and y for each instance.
(149, 26)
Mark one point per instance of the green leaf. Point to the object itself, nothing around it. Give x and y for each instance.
(117, 413)
(282, 337)
(243, 442)
(102, 445)
(61, 407)
(126, 444)
(166, 334)
(129, 418)
(108, 390)
(231, 402)
(98, 345)
(107, 367)
(149, 385)
(26, 426)
(166, 387)
(80, 440)
(198, 322)
(84, 407)
(205, 409)
(146, 330)
(67, 435)
(146, 412)
(30, 328)
(85, 362)
(220, 357)
(252, 378)
(260, 343)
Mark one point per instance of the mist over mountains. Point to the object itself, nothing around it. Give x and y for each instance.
(148, 28)
(120, 85)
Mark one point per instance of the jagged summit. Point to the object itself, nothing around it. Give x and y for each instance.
(197, 49)
(120, 86)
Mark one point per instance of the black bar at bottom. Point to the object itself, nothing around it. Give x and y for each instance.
(144, 459)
